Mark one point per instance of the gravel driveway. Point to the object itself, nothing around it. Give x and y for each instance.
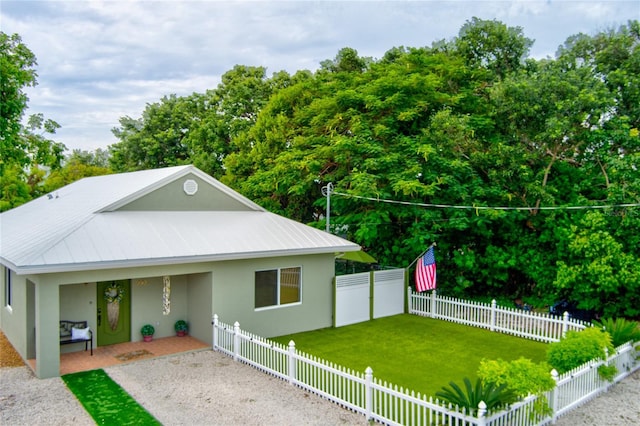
(209, 388)
(196, 388)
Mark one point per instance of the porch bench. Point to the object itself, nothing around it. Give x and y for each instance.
(68, 336)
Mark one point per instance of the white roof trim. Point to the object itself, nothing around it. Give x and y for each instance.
(135, 263)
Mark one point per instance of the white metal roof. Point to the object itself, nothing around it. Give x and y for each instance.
(79, 227)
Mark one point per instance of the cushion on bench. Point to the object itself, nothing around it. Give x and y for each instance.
(76, 332)
(66, 326)
(80, 333)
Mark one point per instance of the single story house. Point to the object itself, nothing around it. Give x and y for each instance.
(153, 247)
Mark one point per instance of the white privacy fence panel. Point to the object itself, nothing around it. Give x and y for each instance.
(388, 291)
(389, 404)
(352, 299)
(531, 325)
(360, 297)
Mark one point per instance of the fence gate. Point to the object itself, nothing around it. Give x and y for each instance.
(361, 297)
(388, 293)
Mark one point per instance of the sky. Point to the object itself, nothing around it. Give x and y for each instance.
(99, 61)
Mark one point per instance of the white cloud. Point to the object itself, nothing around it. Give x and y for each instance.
(101, 60)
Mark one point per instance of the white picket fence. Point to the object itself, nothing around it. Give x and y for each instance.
(359, 392)
(530, 325)
(390, 404)
(580, 385)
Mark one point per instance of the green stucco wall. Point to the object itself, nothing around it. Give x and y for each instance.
(172, 197)
(14, 318)
(47, 308)
(198, 291)
(78, 303)
(199, 305)
(233, 295)
(147, 307)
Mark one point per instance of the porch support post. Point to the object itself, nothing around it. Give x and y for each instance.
(47, 301)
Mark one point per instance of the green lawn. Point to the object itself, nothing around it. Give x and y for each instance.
(414, 352)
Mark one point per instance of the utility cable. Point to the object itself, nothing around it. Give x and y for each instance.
(450, 206)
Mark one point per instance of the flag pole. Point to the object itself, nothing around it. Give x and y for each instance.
(421, 254)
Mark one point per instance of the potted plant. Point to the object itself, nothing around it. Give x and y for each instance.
(147, 332)
(181, 327)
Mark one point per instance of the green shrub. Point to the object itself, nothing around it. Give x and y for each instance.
(607, 372)
(620, 329)
(493, 396)
(181, 325)
(147, 330)
(577, 348)
(522, 376)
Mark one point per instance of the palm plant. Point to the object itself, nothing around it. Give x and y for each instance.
(493, 396)
(621, 330)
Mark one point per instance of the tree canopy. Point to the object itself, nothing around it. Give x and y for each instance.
(471, 122)
(27, 153)
(524, 171)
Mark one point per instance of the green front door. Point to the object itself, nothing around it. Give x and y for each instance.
(114, 312)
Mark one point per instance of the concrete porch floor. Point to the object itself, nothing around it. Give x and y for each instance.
(122, 353)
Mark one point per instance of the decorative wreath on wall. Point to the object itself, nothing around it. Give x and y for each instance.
(114, 293)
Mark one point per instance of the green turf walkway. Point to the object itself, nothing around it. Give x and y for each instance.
(106, 401)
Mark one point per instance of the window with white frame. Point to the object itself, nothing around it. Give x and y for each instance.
(277, 287)
(7, 287)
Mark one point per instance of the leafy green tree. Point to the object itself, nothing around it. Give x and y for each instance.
(157, 139)
(493, 45)
(242, 94)
(347, 60)
(614, 55)
(468, 123)
(78, 165)
(233, 110)
(550, 112)
(199, 129)
(598, 271)
(45, 154)
(96, 158)
(15, 190)
(27, 152)
(18, 64)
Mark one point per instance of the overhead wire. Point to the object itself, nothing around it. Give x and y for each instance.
(452, 206)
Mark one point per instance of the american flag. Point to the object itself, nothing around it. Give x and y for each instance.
(426, 272)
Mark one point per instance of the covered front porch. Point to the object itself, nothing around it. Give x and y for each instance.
(159, 301)
(121, 353)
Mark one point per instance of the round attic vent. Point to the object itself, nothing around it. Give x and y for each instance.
(190, 187)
